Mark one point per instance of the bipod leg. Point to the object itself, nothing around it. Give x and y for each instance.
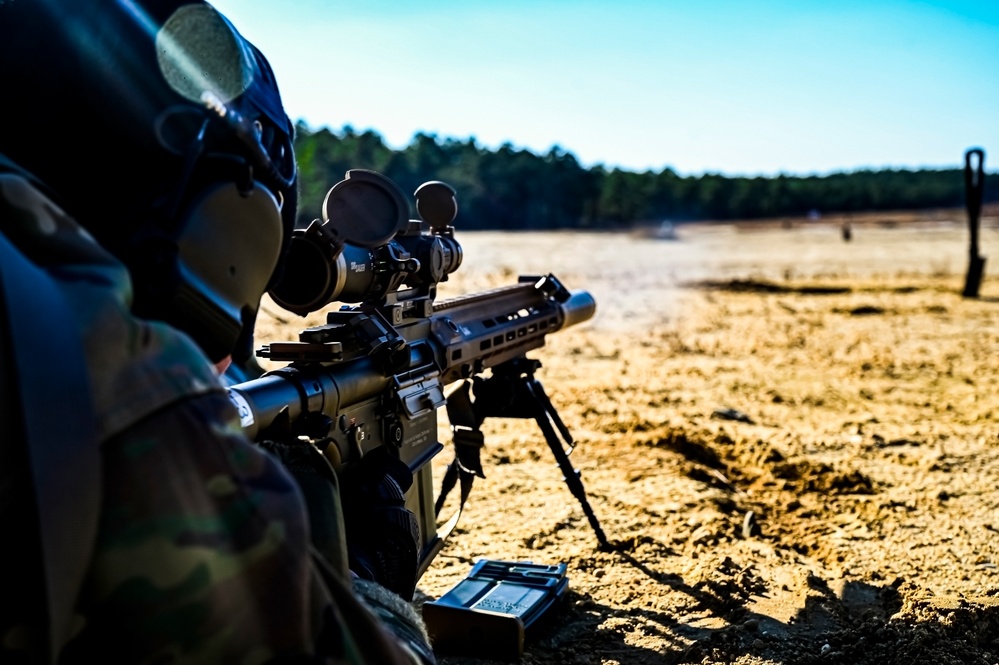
(528, 399)
(542, 397)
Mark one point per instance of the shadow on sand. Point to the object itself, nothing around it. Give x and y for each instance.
(857, 624)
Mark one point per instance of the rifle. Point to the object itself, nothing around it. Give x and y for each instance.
(374, 375)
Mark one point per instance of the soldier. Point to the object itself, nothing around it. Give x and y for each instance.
(147, 193)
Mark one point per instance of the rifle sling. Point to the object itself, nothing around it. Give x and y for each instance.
(465, 466)
(51, 376)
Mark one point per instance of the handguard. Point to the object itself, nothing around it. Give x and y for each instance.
(488, 614)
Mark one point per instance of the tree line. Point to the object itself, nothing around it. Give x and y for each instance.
(516, 189)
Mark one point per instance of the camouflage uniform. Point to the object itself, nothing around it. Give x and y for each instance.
(202, 550)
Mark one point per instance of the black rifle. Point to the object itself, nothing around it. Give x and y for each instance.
(374, 375)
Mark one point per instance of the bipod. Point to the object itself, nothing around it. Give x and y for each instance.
(513, 392)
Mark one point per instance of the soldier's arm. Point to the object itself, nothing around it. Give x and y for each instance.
(203, 552)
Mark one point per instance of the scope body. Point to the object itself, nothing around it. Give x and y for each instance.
(318, 272)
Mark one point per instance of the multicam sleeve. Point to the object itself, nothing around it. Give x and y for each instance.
(399, 617)
(203, 554)
(381, 618)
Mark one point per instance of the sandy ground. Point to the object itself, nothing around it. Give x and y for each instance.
(790, 439)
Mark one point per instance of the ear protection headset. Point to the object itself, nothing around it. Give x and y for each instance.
(206, 274)
(214, 243)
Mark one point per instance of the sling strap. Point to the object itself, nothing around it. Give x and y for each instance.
(51, 377)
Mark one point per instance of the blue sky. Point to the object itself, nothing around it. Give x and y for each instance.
(722, 86)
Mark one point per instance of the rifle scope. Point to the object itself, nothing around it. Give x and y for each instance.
(367, 247)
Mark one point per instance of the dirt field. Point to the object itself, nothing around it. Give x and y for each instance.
(792, 441)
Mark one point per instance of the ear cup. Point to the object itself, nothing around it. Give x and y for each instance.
(208, 276)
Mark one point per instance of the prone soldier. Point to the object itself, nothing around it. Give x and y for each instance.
(147, 197)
